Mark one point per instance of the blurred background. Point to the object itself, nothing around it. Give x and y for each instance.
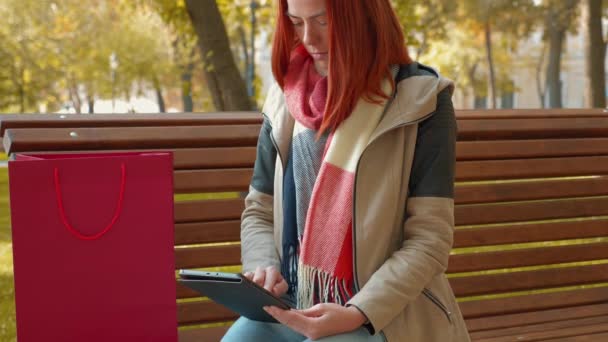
(121, 56)
(151, 56)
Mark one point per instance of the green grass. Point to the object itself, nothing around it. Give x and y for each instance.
(7, 293)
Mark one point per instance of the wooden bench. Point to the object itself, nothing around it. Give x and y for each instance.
(532, 191)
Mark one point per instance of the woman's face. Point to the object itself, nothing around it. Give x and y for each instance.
(309, 19)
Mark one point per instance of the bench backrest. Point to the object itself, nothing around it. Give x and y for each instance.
(528, 182)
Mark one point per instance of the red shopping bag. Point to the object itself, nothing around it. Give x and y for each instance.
(93, 247)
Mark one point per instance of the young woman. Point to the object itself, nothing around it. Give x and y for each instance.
(350, 210)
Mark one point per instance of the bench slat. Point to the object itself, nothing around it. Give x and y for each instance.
(527, 113)
(586, 338)
(209, 210)
(534, 302)
(535, 128)
(530, 232)
(139, 120)
(536, 317)
(221, 180)
(543, 189)
(214, 158)
(528, 257)
(185, 292)
(59, 139)
(472, 214)
(199, 312)
(533, 331)
(529, 280)
(202, 334)
(211, 256)
(519, 149)
(207, 232)
(191, 158)
(553, 334)
(531, 168)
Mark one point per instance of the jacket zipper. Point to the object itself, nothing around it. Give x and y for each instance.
(430, 295)
(355, 276)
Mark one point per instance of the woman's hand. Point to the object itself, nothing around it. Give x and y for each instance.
(270, 279)
(320, 320)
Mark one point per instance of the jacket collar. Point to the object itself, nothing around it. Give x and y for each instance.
(414, 99)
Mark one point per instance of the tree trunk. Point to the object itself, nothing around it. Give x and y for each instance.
(560, 15)
(553, 87)
(226, 85)
(488, 33)
(159, 96)
(22, 94)
(542, 91)
(245, 49)
(75, 97)
(91, 103)
(595, 51)
(187, 88)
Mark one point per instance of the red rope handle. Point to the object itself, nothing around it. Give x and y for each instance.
(64, 216)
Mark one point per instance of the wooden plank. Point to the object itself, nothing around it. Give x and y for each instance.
(211, 256)
(202, 312)
(57, 139)
(519, 149)
(536, 128)
(126, 120)
(532, 303)
(553, 334)
(221, 180)
(207, 232)
(531, 232)
(523, 333)
(531, 168)
(525, 113)
(529, 280)
(190, 158)
(214, 334)
(536, 317)
(209, 210)
(527, 257)
(471, 214)
(214, 158)
(599, 337)
(185, 292)
(520, 191)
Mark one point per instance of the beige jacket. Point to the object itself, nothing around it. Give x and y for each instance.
(401, 245)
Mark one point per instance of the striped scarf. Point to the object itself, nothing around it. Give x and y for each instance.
(325, 253)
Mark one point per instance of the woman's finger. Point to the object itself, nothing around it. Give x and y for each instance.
(259, 277)
(280, 288)
(272, 277)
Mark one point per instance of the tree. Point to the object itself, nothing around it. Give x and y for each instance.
(595, 51)
(560, 17)
(226, 85)
(508, 18)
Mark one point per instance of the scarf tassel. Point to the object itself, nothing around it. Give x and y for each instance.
(317, 286)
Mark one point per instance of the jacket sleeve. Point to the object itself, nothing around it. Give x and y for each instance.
(257, 226)
(429, 225)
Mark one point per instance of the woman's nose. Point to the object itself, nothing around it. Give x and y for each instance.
(309, 36)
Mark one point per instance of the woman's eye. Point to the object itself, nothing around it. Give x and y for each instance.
(298, 23)
(322, 22)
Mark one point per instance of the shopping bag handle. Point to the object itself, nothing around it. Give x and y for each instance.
(67, 224)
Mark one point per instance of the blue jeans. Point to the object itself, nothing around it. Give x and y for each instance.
(247, 330)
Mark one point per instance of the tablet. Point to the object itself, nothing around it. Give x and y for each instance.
(233, 291)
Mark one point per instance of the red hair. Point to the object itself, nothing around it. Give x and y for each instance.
(365, 39)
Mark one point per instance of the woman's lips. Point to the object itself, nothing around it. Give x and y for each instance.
(318, 55)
